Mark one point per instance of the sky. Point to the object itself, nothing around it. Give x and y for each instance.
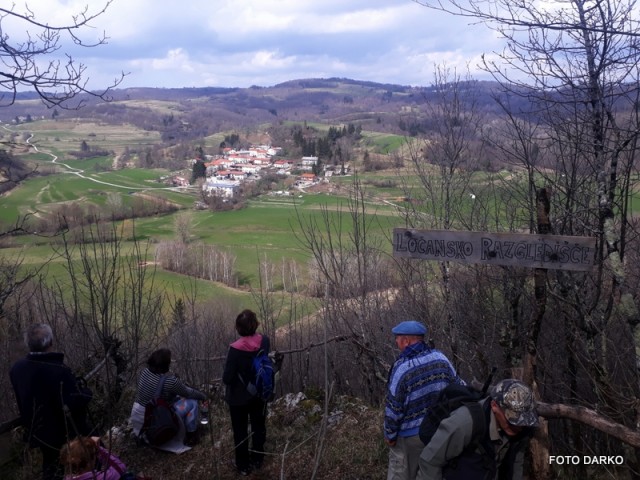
(240, 43)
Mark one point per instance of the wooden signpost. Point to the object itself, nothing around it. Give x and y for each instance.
(508, 249)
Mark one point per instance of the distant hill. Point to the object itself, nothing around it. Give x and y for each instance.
(375, 106)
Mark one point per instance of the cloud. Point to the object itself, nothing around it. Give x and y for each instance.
(245, 42)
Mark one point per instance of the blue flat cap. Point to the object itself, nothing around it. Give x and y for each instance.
(410, 327)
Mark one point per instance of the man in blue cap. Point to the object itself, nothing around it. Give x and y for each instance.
(415, 380)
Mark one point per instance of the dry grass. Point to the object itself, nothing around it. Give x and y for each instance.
(67, 135)
(353, 446)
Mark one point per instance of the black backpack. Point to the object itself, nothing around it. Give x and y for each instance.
(452, 397)
(161, 423)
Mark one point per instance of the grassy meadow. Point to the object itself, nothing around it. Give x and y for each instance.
(268, 227)
(60, 136)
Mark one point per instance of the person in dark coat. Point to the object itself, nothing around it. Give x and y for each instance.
(244, 407)
(45, 387)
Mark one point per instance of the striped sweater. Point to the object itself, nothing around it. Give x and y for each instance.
(173, 386)
(415, 380)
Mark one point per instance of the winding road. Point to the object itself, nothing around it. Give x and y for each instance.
(80, 173)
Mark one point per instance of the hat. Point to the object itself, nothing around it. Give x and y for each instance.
(410, 327)
(516, 401)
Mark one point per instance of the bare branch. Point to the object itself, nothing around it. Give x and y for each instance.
(337, 338)
(497, 14)
(592, 418)
(56, 82)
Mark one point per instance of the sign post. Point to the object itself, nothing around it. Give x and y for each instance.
(508, 249)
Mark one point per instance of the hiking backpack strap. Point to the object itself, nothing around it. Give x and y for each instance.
(161, 381)
(263, 344)
(479, 420)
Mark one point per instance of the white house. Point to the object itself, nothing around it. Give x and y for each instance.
(219, 188)
(250, 168)
(283, 164)
(240, 157)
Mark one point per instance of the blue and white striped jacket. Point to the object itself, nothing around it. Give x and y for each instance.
(415, 380)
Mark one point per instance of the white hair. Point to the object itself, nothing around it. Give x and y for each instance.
(38, 337)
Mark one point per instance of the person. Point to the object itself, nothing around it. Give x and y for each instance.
(182, 397)
(415, 380)
(245, 408)
(510, 418)
(51, 401)
(85, 459)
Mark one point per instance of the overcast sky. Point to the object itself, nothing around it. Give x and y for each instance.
(239, 43)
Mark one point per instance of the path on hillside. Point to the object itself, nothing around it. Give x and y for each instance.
(80, 173)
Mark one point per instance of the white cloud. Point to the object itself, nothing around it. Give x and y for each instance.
(265, 59)
(176, 59)
(263, 42)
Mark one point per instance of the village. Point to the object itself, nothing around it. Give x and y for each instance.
(225, 173)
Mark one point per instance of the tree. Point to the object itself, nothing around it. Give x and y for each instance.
(366, 161)
(183, 225)
(570, 87)
(199, 170)
(31, 62)
(114, 204)
(12, 171)
(444, 159)
(355, 281)
(443, 162)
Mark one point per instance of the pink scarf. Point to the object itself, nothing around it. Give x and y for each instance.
(248, 344)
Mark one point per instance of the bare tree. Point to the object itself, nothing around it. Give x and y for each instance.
(356, 282)
(107, 302)
(28, 55)
(570, 81)
(183, 225)
(444, 162)
(444, 159)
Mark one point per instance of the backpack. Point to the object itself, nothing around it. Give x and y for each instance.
(161, 423)
(262, 384)
(452, 397)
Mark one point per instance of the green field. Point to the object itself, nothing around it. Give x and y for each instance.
(44, 193)
(267, 227)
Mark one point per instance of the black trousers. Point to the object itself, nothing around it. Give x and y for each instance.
(255, 412)
(51, 468)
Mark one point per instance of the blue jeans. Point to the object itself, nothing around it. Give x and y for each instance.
(187, 409)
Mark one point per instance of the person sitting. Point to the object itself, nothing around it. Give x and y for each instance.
(84, 459)
(183, 398)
